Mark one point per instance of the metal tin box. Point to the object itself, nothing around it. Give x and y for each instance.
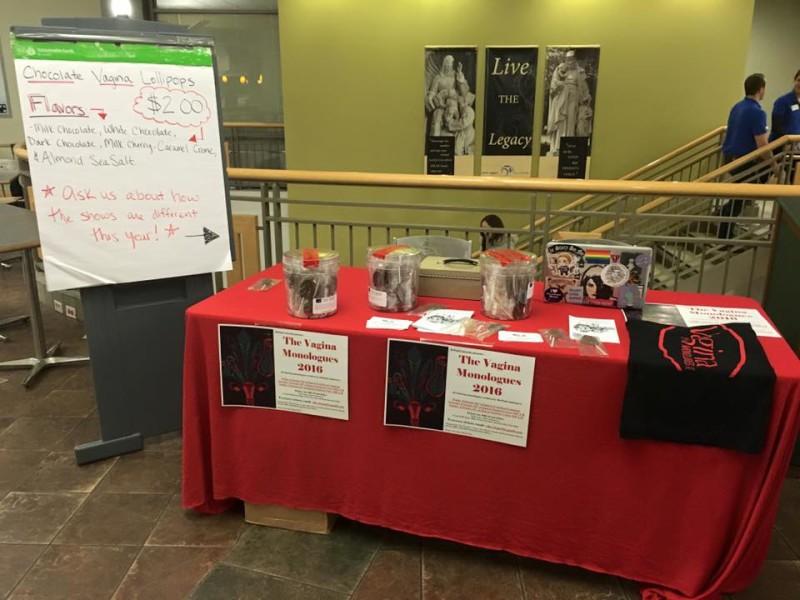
(443, 277)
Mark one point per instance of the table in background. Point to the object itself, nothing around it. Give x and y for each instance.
(693, 521)
(18, 231)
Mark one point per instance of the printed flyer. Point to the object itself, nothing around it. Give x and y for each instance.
(459, 390)
(284, 369)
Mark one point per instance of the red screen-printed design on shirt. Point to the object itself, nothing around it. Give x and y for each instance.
(715, 347)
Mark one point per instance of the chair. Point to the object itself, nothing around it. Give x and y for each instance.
(438, 245)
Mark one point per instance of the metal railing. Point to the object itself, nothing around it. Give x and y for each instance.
(698, 246)
(685, 163)
(685, 236)
(254, 145)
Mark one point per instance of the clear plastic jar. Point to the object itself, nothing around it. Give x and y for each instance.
(507, 284)
(393, 277)
(310, 276)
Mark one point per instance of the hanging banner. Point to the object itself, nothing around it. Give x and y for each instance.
(508, 111)
(450, 77)
(464, 391)
(5, 103)
(284, 369)
(570, 84)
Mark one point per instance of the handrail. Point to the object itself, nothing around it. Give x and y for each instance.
(723, 170)
(505, 184)
(651, 165)
(677, 152)
(252, 125)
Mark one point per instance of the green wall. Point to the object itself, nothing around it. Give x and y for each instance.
(353, 77)
(775, 46)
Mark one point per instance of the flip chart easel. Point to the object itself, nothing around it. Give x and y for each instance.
(124, 137)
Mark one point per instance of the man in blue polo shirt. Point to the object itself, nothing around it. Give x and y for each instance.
(786, 113)
(747, 131)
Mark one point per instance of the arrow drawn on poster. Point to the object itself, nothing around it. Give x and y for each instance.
(207, 235)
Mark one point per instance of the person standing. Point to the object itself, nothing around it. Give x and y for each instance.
(786, 113)
(786, 118)
(747, 131)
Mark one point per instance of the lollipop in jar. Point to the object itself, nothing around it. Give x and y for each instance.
(507, 280)
(311, 279)
(393, 277)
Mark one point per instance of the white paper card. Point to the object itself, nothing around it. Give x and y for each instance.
(311, 373)
(694, 316)
(442, 320)
(378, 298)
(520, 336)
(384, 323)
(604, 330)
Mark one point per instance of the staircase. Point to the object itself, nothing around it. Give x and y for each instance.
(690, 254)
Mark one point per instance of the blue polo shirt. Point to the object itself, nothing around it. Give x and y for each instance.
(747, 120)
(785, 116)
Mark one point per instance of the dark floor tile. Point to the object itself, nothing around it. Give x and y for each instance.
(14, 403)
(149, 472)
(5, 422)
(71, 572)
(398, 540)
(453, 572)
(16, 465)
(37, 433)
(59, 472)
(788, 522)
(114, 519)
(167, 572)
(226, 582)
(393, 574)
(17, 397)
(35, 518)
(335, 561)
(88, 430)
(778, 580)
(179, 527)
(546, 581)
(15, 560)
(80, 379)
(62, 403)
(169, 443)
(779, 548)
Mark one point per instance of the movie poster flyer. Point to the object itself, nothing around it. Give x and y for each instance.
(459, 390)
(284, 369)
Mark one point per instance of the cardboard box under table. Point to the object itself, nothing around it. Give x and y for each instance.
(576, 494)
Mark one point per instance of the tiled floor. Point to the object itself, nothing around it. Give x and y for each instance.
(115, 529)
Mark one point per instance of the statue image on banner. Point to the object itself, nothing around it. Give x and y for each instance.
(570, 85)
(449, 101)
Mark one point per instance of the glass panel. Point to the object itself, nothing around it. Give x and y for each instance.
(248, 60)
(226, 5)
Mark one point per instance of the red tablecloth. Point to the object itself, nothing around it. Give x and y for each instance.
(693, 521)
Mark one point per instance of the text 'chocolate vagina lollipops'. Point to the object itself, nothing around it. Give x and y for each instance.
(507, 280)
(393, 277)
(311, 277)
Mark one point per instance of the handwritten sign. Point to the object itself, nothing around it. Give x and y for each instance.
(125, 158)
(464, 391)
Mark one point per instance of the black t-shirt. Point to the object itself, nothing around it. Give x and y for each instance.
(709, 385)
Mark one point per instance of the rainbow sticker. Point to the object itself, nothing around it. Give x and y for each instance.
(595, 256)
